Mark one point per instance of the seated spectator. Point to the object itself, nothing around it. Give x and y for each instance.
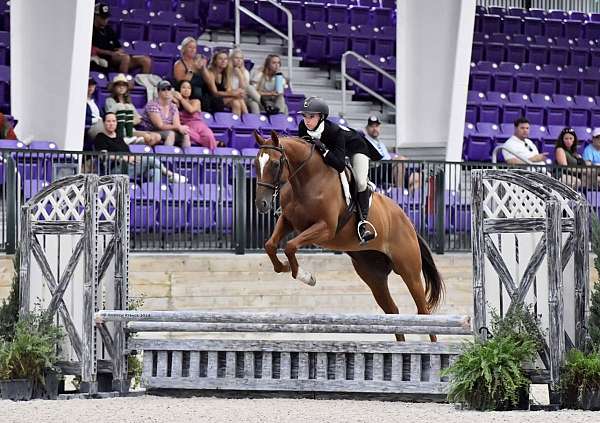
(220, 94)
(106, 45)
(191, 67)
(128, 117)
(162, 116)
(6, 129)
(591, 154)
(93, 116)
(566, 154)
(394, 172)
(110, 141)
(189, 114)
(240, 79)
(270, 84)
(519, 149)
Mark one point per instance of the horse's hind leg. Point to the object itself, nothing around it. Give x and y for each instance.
(373, 268)
(407, 264)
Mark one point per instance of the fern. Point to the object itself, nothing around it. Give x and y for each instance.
(9, 310)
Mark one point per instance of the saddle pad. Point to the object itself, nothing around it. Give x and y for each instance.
(345, 188)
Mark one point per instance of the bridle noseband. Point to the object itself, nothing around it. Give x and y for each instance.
(283, 160)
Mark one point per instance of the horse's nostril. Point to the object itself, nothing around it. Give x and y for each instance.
(264, 204)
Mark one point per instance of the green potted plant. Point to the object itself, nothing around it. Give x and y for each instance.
(580, 380)
(27, 361)
(488, 375)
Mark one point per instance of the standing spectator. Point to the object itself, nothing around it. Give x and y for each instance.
(106, 44)
(120, 103)
(270, 84)
(191, 67)
(189, 114)
(397, 172)
(591, 154)
(240, 79)
(162, 116)
(93, 116)
(220, 94)
(519, 148)
(110, 141)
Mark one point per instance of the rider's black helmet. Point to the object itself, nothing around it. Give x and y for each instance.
(315, 105)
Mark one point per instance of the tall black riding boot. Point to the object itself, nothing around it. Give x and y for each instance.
(366, 231)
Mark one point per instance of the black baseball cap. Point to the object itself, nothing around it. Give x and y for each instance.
(373, 120)
(102, 10)
(163, 85)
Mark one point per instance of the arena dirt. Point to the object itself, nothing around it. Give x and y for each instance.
(215, 410)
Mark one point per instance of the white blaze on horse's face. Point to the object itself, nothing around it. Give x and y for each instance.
(262, 161)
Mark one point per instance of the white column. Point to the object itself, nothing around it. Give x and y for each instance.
(50, 51)
(433, 54)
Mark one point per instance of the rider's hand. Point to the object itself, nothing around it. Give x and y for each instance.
(320, 146)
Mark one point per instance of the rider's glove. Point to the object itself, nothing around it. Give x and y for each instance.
(320, 146)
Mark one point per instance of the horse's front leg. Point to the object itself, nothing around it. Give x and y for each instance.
(282, 228)
(315, 234)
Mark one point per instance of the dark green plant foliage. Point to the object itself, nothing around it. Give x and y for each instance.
(580, 373)
(488, 375)
(32, 350)
(9, 309)
(594, 319)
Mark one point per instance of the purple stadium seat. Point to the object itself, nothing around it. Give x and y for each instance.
(537, 13)
(295, 7)
(162, 66)
(512, 25)
(497, 10)
(359, 15)
(491, 23)
(185, 29)
(147, 48)
(495, 52)
(490, 110)
(554, 28)
(170, 49)
(533, 26)
(517, 11)
(548, 79)
(338, 42)
(314, 12)
(140, 148)
(132, 29)
(220, 14)
(516, 53)
(270, 13)
(337, 13)
(558, 55)
(283, 123)
(100, 79)
(578, 56)
(586, 102)
(578, 16)
(301, 29)
(385, 45)
(316, 42)
(381, 16)
(481, 78)
(569, 80)
(504, 77)
(474, 100)
(159, 5)
(557, 14)
(573, 29)
(294, 102)
(477, 51)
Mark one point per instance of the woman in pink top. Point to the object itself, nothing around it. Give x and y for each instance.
(189, 114)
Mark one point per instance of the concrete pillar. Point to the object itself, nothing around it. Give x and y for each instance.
(50, 51)
(432, 72)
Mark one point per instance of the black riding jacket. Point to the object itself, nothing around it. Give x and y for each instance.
(341, 142)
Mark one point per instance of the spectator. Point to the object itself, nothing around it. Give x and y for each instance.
(191, 67)
(93, 116)
(270, 84)
(128, 117)
(220, 94)
(110, 141)
(189, 114)
(6, 129)
(566, 154)
(240, 78)
(162, 116)
(397, 172)
(106, 44)
(591, 154)
(519, 149)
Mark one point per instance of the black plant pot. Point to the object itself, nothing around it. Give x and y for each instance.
(16, 389)
(591, 400)
(522, 403)
(48, 390)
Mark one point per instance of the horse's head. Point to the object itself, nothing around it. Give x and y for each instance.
(269, 164)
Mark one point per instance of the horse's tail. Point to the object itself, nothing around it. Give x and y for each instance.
(434, 285)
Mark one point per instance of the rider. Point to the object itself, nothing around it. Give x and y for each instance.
(335, 142)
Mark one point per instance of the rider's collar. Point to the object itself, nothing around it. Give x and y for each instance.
(316, 134)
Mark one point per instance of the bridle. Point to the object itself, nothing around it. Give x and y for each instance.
(283, 160)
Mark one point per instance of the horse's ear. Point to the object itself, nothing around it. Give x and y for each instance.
(274, 138)
(259, 140)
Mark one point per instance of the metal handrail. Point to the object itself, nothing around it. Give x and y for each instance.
(345, 77)
(289, 37)
(501, 147)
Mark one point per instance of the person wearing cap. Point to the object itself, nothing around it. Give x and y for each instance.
(334, 142)
(128, 117)
(591, 154)
(93, 115)
(519, 149)
(397, 174)
(161, 115)
(106, 44)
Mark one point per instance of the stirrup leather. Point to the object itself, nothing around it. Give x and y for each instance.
(372, 228)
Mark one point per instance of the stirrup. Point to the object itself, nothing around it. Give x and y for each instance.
(372, 230)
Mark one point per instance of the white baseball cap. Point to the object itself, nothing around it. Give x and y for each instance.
(595, 132)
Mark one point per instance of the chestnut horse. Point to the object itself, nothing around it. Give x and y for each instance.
(313, 204)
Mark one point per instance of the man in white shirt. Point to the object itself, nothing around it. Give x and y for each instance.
(519, 149)
(371, 133)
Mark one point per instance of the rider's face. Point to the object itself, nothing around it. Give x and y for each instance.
(311, 120)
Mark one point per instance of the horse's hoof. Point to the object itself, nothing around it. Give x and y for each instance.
(306, 277)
